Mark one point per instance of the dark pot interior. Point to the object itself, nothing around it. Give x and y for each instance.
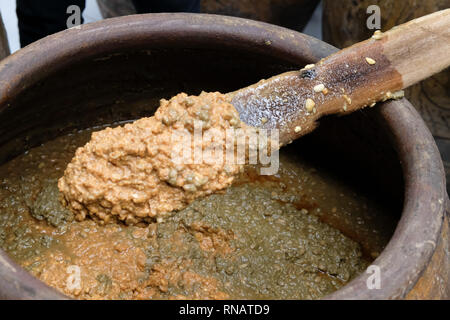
(119, 69)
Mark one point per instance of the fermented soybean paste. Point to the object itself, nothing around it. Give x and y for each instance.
(264, 237)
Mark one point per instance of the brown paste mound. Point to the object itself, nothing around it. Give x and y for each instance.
(129, 174)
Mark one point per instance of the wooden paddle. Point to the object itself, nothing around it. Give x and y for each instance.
(359, 76)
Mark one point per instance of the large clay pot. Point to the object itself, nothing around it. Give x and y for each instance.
(344, 23)
(292, 14)
(107, 71)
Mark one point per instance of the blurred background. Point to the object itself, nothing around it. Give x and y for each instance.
(8, 12)
(92, 13)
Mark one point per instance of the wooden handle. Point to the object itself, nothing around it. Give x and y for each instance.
(359, 76)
